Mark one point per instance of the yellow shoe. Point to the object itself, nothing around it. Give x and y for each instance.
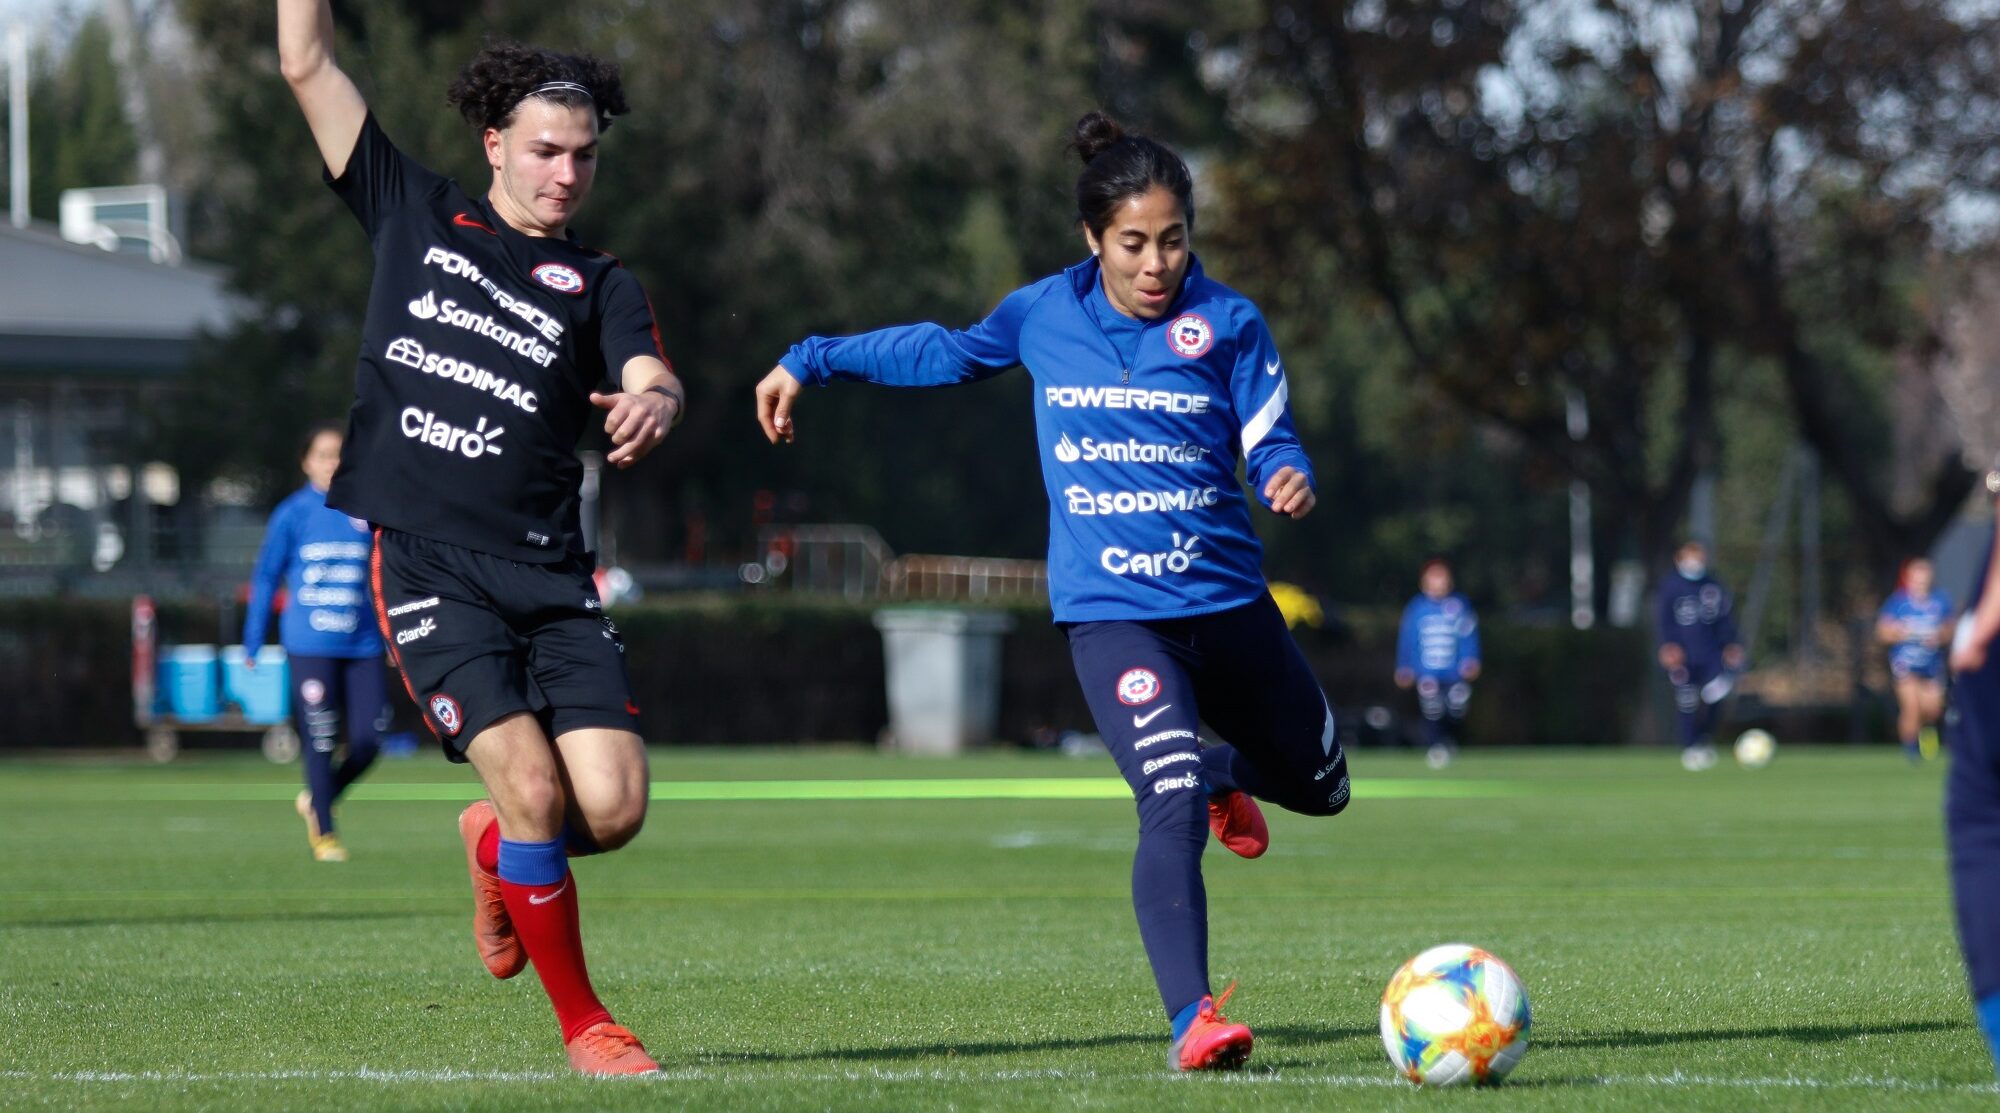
(1927, 743)
(327, 848)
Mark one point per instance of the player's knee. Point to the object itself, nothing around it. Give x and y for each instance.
(1172, 795)
(1328, 795)
(619, 824)
(532, 805)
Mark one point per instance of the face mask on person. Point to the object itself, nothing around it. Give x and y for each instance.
(1691, 568)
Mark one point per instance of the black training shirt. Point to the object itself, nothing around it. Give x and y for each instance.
(479, 352)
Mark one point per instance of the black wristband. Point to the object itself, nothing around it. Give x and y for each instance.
(680, 403)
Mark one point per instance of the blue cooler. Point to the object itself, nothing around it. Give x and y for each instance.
(187, 678)
(264, 693)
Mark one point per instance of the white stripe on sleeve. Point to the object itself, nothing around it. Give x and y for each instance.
(1258, 426)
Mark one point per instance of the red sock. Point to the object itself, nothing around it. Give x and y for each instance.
(489, 848)
(545, 918)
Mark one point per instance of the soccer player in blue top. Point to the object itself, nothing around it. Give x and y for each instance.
(1972, 787)
(1151, 381)
(1913, 624)
(1698, 648)
(320, 556)
(1437, 653)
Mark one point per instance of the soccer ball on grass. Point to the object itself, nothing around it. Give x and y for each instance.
(1455, 1015)
(1755, 748)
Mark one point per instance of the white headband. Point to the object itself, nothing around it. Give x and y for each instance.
(558, 87)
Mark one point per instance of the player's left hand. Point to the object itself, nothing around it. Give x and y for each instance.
(636, 423)
(1733, 657)
(1469, 671)
(1290, 492)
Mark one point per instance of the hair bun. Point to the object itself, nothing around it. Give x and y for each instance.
(1093, 134)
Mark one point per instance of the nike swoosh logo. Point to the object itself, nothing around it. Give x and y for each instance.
(534, 899)
(464, 221)
(1271, 368)
(1140, 721)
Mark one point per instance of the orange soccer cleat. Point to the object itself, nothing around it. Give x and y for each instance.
(492, 929)
(1211, 1042)
(1238, 824)
(608, 1048)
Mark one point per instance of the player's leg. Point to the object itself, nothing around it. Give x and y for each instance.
(1430, 705)
(1930, 709)
(524, 780)
(1909, 713)
(315, 711)
(368, 715)
(1134, 678)
(605, 779)
(1280, 740)
(1972, 825)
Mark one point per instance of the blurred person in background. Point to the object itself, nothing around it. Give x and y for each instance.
(1437, 654)
(319, 556)
(489, 332)
(1913, 623)
(1151, 381)
(1972, 787)
(1699, 650)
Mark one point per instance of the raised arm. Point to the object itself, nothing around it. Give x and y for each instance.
(333, 107)
(904, 355)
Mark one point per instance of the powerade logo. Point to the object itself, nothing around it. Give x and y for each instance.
(1124, 562)
(448, 312)
(1083, 501)
(452, 263)
(1124, 398)
(1128, 451)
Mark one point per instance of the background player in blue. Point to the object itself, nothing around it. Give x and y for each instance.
(1151, 381)
(1437, 653)
(320, 556)
(1698, 648)
(1972, 787)
(492, 337)
(1913, 624)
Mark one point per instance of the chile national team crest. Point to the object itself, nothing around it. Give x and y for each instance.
(445, 710)
(1138, 686)
(561, 279)
(1191, 335)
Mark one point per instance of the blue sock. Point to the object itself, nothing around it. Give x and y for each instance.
(533, 863)
(1988, 1011)
(1186, 1017)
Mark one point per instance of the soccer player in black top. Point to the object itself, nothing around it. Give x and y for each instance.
(489, 331)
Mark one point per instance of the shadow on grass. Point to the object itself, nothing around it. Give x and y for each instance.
(211, 917)
(1157, 1040)
(1798, 1033)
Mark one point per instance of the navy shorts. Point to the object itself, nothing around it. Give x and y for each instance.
(1151, 685)
(479, 637)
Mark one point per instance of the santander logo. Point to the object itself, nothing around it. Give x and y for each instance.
(1066, 450)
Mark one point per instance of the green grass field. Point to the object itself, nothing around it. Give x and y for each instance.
(857, 931)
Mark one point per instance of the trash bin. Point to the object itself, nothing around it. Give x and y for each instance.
(944, 677)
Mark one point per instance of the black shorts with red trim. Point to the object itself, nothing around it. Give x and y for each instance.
(479, 637)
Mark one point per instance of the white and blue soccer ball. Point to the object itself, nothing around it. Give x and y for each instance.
(1755, 748)
(1454, 1016)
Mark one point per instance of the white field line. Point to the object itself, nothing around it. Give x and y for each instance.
(738, 1074)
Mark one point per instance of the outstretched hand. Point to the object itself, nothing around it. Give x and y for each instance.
(774, 404)
(636, 423)
(1290, 492)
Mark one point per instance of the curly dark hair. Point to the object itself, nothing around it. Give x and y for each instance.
(490, 89)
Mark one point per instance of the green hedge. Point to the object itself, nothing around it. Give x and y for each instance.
(718, 670)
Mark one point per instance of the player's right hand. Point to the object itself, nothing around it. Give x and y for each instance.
(1672, 657)
(774, 404)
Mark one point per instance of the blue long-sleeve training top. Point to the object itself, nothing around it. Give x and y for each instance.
(1921, 620)
(321, 556)
(1697, 615)
(1140, 425)
(1439, 637)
